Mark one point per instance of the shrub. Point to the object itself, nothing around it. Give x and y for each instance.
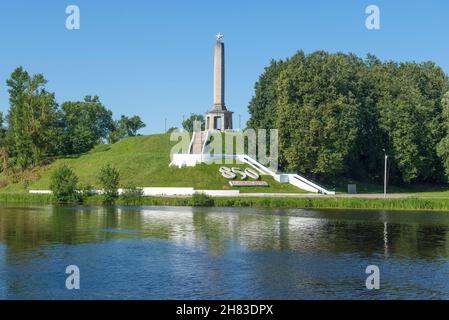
(109, 178)
(132, 196)
(201, 200)
(63, 184)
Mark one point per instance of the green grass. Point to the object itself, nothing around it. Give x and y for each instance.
(443, 194)
(27, 198)
(415, 204)
(142, 161)
(404, 204)
(317, 203)
(338, 203)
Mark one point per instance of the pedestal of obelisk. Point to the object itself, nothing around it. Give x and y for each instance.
(219, 118)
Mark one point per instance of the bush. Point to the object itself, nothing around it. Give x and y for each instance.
(63, 185)
(109, 178)
(132, 196)
(202, 200)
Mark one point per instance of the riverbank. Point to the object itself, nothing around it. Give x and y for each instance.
(316, 202)
(412, 203)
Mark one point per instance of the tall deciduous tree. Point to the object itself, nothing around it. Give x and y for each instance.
(4, 155)
(32, 119)
(317, 112)
(443, 146)
(409, 107)
(263, 105)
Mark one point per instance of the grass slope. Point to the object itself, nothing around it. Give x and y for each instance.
(143, 162)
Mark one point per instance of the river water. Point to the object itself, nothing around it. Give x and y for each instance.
(221, 253)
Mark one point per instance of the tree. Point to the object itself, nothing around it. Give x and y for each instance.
(409, 108)
(317, 113)
(131, 125)
(125, 127)
(336, 113)
(33, 122)
(109, 178)
(4, 159)
(443, 146)
(2, 130)
(188, 123)
(86, 123)
(263, 104)
(64, 185)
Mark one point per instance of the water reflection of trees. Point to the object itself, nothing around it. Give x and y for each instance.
(221, 230)
(25, 228)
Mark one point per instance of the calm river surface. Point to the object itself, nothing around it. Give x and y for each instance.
(220, 253)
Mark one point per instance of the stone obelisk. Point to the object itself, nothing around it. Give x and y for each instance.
(219, 118)
(219, 76)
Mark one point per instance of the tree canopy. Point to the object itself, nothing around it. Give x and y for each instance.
(32, 119)
(86, 123)
(188, 124)
(336, 113)
(125, 127)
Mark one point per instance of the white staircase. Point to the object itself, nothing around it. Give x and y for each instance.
(196, 146)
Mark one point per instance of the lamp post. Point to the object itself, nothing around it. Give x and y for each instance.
(385, 173)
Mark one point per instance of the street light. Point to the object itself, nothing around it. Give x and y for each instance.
(385, 174)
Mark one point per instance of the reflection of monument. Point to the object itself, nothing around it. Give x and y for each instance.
(219, 118)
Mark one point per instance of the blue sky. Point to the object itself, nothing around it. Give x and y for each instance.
(155, 58)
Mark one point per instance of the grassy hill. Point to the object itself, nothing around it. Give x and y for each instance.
(143, 162)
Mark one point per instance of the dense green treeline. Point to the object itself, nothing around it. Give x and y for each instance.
(336, 113)
(37, 129)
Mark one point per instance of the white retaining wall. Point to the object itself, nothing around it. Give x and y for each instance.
(220, 193)
(148, 192)
(41, 191)
(166, 191)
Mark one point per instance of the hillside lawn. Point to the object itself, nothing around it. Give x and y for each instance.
(142, 162)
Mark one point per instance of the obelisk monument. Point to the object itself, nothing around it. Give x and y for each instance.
(219, 118)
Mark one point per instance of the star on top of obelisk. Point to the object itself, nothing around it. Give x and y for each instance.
(219, 36)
